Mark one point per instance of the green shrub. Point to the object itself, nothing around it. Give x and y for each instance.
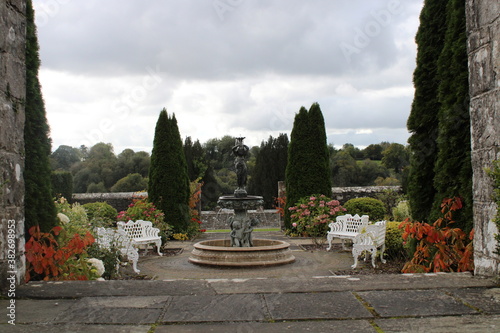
(402, 211)
(77, 216)
(100, 214)
(374, 208)
(394, 246)
(110, 257)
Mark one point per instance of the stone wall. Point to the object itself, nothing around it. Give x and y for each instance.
(210, 219)
(119, 201)
(12, 96)
(483, 28)
(343, 194)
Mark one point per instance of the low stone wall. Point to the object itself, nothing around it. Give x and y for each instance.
(343, 194)
(119, 201)
(211, 220)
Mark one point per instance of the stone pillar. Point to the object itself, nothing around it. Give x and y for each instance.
(12, 97)
(484, 74)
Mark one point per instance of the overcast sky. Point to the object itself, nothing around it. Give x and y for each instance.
(225, 67)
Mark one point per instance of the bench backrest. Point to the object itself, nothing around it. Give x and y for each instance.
(107, 237)
(137, 229)
(353, 223)
(376, 233)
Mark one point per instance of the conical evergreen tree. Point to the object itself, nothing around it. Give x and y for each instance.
(320, 163)
(270, 166)
(453, 169)
(307, 170)
(423, 119)
(168, 176)
(39, 205)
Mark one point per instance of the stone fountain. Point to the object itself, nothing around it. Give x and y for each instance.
(241, 250)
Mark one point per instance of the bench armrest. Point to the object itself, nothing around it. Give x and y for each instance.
(365, 238)
(151, 232)
(336, 226)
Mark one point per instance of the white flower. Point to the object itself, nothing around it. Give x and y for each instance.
(98, 264)
(63, 218)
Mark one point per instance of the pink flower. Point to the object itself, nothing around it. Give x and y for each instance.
(294, 224)
(312, 198)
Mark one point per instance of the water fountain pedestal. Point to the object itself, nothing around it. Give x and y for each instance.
(241, 225)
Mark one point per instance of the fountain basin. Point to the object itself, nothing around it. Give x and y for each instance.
(218, 252)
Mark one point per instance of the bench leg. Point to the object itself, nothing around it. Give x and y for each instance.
(329, 238)
(382, 250)
(373, 250)
(355, 254)
(158, 246)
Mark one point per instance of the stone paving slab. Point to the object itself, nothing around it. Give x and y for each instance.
(347, 282)
(398, 303)
(455, 324)
(72, 328)
(96, 315)
(145, 302)
(41, 311)
(72, 289)
(216, 308)
(487, 300)
(338, 326)
(315, 306)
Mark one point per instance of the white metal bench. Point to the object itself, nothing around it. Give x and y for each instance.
(371, 238)
(346, 227)
(107, 238)
(141, 233)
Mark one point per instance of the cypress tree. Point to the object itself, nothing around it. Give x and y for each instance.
(168, 176)
(307, 170)
(270, 166)
(320, 160)
(423, 119)
(39, 205)
(453, 169)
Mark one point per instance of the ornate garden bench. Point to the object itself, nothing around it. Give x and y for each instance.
(371, 238)
(141, 233)
(346, 227)
(108, 238)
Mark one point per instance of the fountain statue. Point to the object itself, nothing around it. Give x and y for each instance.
(241, 249)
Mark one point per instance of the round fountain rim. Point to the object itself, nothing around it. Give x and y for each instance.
(278, 244)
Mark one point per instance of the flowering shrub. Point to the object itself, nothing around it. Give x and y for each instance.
(312, 214)
(142, 209)
(193, 228)
(49, 260)
(280, 205)
(439, 248)
(181, 236)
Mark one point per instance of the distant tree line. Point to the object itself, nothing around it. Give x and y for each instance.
(98, 169)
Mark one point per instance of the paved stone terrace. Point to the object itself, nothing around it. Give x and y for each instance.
(300, 297)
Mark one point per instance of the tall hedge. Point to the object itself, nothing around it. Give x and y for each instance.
(453, 169)
(307, 170)
(39, 206)
(168, 176)
(423, 119)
